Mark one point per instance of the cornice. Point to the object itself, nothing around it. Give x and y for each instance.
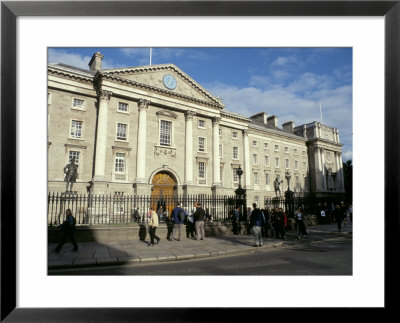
(87, 78)
(277, 132)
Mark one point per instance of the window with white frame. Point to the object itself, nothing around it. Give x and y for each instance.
(265, 145)
(220, 150)
(287, 163)
(122, 131)
(202, 170)
(255, 143)
(78, 103)
(255, 159)
(277, 162)
(202, 144)
(295, 151)
(72, 154)
(286, 150)
(235, 177)
(255, 174)
(303, 153)
(235, 152)
(267, 180)
(276, 147)
(220, 132)
(76, 129)
(122, 107)
(201, 124)
(266, 160)
(235, 135)
(165, 133)
(296, 164)
(120, 168)
(304, 165)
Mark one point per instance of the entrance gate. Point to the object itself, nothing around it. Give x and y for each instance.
(163, 192)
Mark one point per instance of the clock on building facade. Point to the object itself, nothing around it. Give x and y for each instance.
(169, 81)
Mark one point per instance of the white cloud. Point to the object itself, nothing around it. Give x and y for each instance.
(61, 56)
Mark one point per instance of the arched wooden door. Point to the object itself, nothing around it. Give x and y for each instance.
(163, 192)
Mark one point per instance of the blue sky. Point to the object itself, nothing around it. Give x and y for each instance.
(287, 82)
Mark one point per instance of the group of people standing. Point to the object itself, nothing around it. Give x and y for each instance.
(180, 217)
(335, 212)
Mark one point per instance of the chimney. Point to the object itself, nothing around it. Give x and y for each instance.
(260, 117)
(273, 121)
(288, 127)
(95, 62)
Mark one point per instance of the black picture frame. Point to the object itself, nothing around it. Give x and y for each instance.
(10, 10)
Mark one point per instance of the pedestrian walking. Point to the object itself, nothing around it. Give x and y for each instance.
(199, 216)
(338, 216)
(248, 215)
(264, 228)
(300, 222)
(279, 224)
(256, 222)
(153, 224)
(190, 230)
(235, 220)
(68, 231)
(178, 216)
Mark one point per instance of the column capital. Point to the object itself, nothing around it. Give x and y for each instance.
(143, 104)
(104, 95)
(189, 115)
(215, 121)
(245, 133)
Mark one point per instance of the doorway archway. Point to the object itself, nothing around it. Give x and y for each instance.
(163, 191)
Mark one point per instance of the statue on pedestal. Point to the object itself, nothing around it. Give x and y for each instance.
(277, 187)
(71, 173)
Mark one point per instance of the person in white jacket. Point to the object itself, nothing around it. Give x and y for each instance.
(153, 224)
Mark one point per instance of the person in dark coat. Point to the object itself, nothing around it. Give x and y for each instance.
(235, 220)
(68, 231)
(338, 216)
(256, 222)
(300, 223)
(199, 217)
(279, 224)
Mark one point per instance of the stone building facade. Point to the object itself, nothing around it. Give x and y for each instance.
(154, 130)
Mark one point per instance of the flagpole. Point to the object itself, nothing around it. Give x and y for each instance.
(320, 110)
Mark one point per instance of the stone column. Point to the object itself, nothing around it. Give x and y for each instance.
(325, 187)
(246, 152)
(216, 158)
(141, 147)
(338, 177)
(101, 140)
(189, 147)
(341, 173)
(318, 170)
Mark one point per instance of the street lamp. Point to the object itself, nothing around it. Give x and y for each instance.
(239, 173)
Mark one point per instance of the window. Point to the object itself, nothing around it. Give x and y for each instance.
(78, 103)
(266, 160)
(295, 151)
(276, 148)
(220, 132)
(201, 124)
(73, 154)
(120, 167)
(121, 131)
(296, 164)
(122, 107)
(76, 129)
(255, 143)
(235, 152)
(267, 179)
(165, 133)
(235, 176)
(304, 165)
(303, 153)
(287, 163)
(277, 162)
(255, 178)
(286, 150)
(220, 150)
(265, 145)
(328, 154)
(255, 159)
(235, 135)
(202, 170)
(202, 144)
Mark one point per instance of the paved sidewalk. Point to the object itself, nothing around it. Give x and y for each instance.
(128, 252)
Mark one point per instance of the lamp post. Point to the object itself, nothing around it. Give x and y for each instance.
(240, 192)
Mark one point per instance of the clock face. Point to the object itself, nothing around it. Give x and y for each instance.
(169, 81)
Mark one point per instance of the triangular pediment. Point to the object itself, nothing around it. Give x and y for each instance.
(166, 78)
(166, 113)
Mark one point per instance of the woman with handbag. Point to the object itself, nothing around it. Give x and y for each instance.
(153, 224)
